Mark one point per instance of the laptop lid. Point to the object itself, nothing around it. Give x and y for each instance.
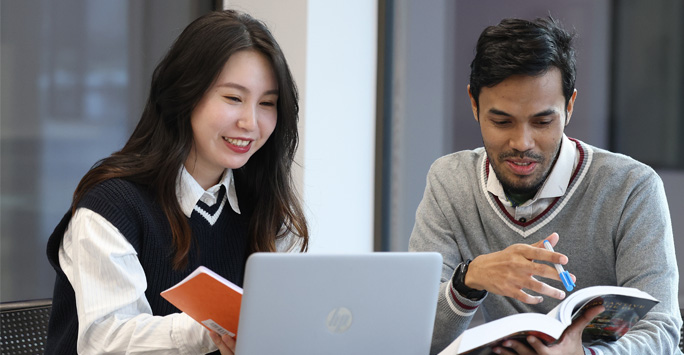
(372, 303)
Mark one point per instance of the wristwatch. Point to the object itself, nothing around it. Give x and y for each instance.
(458, 281)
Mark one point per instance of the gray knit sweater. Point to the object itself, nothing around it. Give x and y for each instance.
(614, 226)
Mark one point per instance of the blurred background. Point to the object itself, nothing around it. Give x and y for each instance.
(383, 94)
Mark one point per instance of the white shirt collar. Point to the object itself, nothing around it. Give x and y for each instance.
(556, 183)
(189, 192)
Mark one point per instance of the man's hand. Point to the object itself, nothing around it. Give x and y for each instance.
(509, 271)
(225, 344)
(570, 343)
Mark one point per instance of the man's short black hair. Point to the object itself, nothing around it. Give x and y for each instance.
(522, 47)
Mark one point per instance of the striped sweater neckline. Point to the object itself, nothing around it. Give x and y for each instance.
(529, 227)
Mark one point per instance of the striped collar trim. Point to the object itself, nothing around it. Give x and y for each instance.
(527, 228)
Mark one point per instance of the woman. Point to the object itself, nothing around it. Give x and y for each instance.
(203, 180)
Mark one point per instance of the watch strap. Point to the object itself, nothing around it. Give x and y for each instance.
(459, 285)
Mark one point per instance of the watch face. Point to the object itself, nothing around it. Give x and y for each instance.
(460, 277)
(461, 274)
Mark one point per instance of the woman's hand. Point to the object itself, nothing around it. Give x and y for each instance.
(225, 344)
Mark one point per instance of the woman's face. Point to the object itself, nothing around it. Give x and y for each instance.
(234, 118)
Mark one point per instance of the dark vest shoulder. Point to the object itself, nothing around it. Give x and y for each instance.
(133, 210)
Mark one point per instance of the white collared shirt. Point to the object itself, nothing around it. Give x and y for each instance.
(189, 192)
(114, 315)
(554, 186)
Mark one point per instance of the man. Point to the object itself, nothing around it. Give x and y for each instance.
(489, 210)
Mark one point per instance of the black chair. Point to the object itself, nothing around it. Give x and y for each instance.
(24, 325)
(681, 332)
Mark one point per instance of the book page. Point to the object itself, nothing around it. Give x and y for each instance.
(483, 337)
(565, 311)
(205, 270)
(624, 307)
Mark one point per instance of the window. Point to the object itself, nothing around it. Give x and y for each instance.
(74, 81)
(648, 90)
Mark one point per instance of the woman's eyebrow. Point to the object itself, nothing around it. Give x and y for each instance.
(245, 89)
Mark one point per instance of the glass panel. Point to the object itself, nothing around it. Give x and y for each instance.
(74, 80)
(648, 82)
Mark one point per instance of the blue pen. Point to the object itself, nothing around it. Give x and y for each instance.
(564, 275)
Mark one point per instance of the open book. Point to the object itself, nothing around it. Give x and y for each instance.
(209, 299)
(624, 306)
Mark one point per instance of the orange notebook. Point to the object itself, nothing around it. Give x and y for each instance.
(209, 299)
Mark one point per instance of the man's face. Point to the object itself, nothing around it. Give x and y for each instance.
(522, 121)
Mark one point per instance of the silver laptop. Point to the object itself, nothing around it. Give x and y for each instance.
(372, 303)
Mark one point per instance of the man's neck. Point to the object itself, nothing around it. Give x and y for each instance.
(519, 199)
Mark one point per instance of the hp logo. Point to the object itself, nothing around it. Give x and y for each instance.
(339, 320)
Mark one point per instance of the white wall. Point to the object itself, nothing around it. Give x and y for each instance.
(334, 64)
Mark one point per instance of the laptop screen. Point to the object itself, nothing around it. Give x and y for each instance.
(370, 303)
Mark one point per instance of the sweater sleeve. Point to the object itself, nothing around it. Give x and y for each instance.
(432, 232)
(645, 259)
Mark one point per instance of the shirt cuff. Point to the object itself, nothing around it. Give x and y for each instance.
(190, 337)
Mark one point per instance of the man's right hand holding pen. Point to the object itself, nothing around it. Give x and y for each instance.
(511, 271)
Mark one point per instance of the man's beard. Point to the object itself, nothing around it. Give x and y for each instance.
(521, 188)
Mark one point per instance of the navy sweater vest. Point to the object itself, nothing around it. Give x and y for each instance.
(132, 209)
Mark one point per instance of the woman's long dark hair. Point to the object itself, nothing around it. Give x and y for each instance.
(163, 137)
